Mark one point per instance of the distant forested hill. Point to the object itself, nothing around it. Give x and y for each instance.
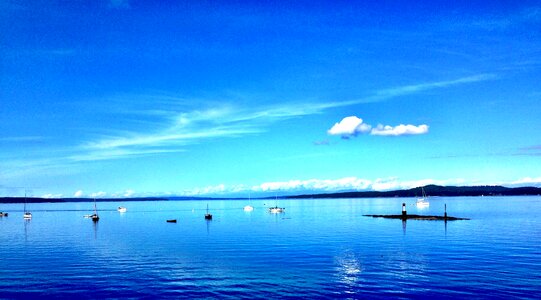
(434, 190)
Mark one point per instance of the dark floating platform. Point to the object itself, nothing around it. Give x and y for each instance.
(404, 216)
(416, 217)
(172, 221)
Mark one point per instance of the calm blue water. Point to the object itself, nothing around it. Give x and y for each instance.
(317, 249)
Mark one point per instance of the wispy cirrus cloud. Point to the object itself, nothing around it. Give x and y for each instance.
(188, 127)
(17, 139)
(177, 125)
(118, 153)
(417, 88)
(534, 150)
(353, 126)
(526, 16)
(390, 93)
(531, 148)
(156, 124)
(321, 143)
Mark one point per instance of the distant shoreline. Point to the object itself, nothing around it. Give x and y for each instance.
(431, 190)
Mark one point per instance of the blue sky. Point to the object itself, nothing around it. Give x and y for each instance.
(142, 98)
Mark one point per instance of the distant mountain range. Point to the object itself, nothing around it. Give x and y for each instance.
(430, 190)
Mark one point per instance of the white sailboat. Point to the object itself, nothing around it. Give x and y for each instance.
(249, 207)
(422, 202)
(276, 209)
(26, 215)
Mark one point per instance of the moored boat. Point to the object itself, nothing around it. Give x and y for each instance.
(276, 210)
(422, 202)
(95, 216)
(207, 215)
(26, 215)
(249, 207)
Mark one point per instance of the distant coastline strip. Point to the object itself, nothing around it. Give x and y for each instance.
(431, 190)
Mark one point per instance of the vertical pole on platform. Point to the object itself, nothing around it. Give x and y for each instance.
(404, 213)
(445, 212)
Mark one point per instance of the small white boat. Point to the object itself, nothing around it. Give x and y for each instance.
(276, 210)
(122, 209)
(27, 215)
(249, 207)
(422, 202)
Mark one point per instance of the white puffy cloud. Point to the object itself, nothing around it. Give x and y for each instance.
(351, 184)
(322, 185)
(128, 193)
(353, 125)
(78, 194)
(399, 130)
(215, 189)
(349, 126)
(393, 183)
(527, 181)
(347, 183)
(98, 194)
(52, 196)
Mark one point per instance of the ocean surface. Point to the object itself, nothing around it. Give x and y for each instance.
(321, 248)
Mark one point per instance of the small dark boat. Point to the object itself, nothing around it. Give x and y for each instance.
(3, 214)
(172, 221)
(207, 215)
(95, 216)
